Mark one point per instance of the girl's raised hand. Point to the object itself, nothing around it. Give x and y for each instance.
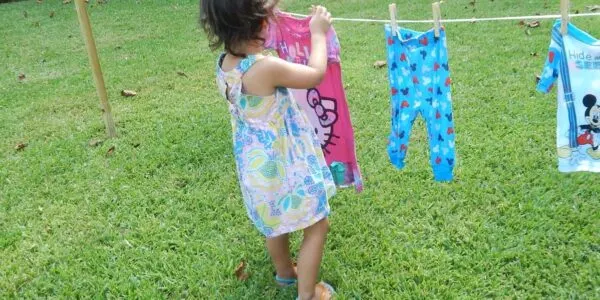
(321, 20)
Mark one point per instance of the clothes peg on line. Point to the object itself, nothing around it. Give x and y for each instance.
(564, 11)
(393, 14)
(437, 16)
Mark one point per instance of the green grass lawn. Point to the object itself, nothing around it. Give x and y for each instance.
(162, 216)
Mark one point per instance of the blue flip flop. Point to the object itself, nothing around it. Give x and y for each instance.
(285, 282)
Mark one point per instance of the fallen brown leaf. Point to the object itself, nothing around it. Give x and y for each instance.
(20, 146)
(593, 8)
(182, 74)
(128, 93)
(537, 78)
(380, 64)
(533, 24)
(52, 14)
(66, 1)
(240, 271)
(21, 76)
(39, 1)
(110, 151)
(95, 142)
(181, 183)
(534, 54)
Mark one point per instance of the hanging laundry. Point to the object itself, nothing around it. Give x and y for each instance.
(420, 84)
(575, 59)
(325, 105)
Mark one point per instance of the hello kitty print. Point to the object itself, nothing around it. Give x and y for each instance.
(322, 113)
(324, 105)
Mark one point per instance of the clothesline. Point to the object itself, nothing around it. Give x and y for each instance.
(471, 20)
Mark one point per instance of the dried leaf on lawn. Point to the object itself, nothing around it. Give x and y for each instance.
(20, 146)
(380, 64)
(128, 93)
(95, 142)
(110, 151)
(240, 271)
(21, 76)
(182, 74)
(593, 8)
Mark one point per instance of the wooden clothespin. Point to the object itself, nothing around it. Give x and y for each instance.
(437, 17)
(564, 11)
(393, 14)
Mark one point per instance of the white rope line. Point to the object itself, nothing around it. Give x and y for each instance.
(472, 20)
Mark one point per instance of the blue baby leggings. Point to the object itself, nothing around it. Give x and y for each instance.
(420, 83)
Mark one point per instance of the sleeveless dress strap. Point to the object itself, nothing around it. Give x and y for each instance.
(231, 86)
(245, 64)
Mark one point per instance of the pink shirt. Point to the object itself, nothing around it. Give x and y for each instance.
(325, 105)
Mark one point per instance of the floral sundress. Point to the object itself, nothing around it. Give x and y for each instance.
(284, 179)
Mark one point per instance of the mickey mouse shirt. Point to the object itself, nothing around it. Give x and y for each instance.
(325, 105)
(574, 60)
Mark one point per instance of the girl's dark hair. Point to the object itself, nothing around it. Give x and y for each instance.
(231, 23)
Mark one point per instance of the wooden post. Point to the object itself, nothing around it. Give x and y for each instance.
(86, 31)
(393, 16)
(437, 16)
(564, 11)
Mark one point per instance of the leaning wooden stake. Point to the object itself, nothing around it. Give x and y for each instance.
(86, 31)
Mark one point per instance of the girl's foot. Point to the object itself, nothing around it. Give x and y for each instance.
(323, 291)
(287, 282)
